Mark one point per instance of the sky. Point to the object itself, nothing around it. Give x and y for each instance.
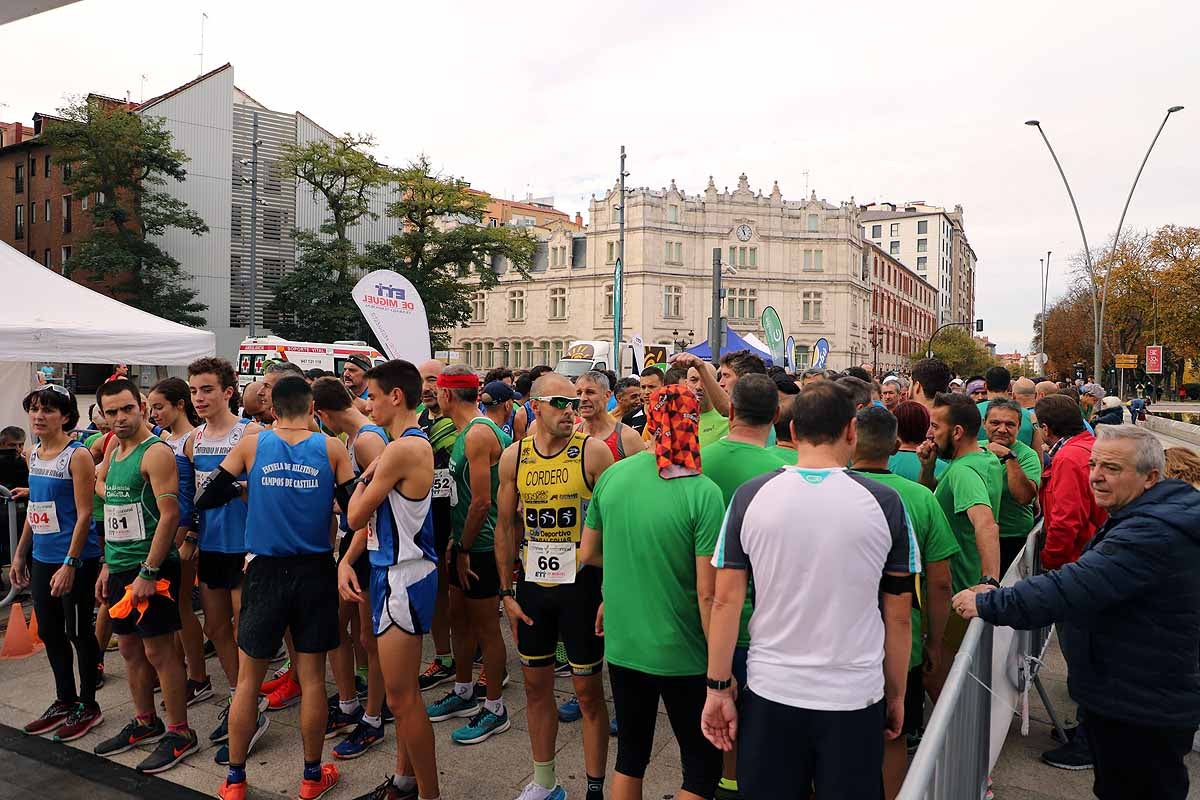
(871, 100)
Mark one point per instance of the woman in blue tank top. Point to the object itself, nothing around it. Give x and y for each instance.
(58, 557)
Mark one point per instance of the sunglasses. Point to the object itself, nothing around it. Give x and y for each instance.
(561, 403)
(50, 387)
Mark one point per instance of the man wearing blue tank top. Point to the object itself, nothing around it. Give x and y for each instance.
(290, 584)
(216, 538)
(392, 515)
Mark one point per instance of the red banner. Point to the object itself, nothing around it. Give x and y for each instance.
(1154, 359)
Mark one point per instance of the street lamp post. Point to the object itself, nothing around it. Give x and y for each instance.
(1045, 270)
(682, 344)
(1098, 304)
(875, 349)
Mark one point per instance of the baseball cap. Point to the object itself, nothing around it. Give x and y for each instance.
(499, 392)
(1094, 389)
(786, 383)
(976, 386)
(956, 382)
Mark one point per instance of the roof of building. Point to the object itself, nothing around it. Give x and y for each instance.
(154, 100)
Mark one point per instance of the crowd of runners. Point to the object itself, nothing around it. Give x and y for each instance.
(645, 522)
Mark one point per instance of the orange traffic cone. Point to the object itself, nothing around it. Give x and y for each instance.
(17, 643)
(33, 630)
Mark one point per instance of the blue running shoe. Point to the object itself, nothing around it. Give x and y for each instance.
(360, 740)
(569, 711)
(222, 755)
(534, 791)
(453, 705)
(340, 721)
(482, 727)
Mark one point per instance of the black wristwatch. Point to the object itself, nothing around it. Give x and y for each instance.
(1007, 457)
(507, 593)
(718, 685)
(988, 580)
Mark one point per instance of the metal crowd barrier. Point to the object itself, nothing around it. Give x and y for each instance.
(14, 535)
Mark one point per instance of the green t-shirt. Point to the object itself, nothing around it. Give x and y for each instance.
(1015, 519)
(97, 500)
(1024, 433)
(651, 612)
(972, 480)
(712, 426)
(934, 538)
(130, 511)
(729, 465)
(460, 471)
(786, 455)
(907, 464)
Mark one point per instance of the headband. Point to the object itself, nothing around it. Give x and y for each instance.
(468, 381)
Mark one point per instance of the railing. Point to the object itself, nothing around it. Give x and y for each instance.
(14, 535)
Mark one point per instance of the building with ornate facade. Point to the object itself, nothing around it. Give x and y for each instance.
(807, 258)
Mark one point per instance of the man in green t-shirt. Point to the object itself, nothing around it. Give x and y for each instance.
(470, 560)
(140, 485)
(968, 491)
(1022, 476)
(999, 382)
(876, 442)
(713, 387)
(730, 462)
(657, 590)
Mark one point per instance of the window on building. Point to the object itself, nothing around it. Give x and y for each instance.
(612, 252)
(814, 260)
(811, 306)
(732, 256)
(32, 213)
(556, 352)
(46, 211)
(235, 221)
(922, 262)
(46, 171)
(894, 248)
(814, 223)
(672, 301)
(564, 259)
(894, 229)
(516, 306)
(64, 257)
(922, 245)
(272, 223)
(479, 307)
(803, 359)
(923, 226)
(672, 213)
(608, 301)
(20, 182)
(83, 203)
(876, 231)
(19, 227)
(753, 257)
(558, 303)
(742, 304)
(271, 178)
(489, 355)
(272, 271)
(679, 252)
(66, 206)
(66, 172)
(46, 258)
(741, 257)
(674, 252)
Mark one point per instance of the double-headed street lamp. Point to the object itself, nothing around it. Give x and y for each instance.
(1099, 307)
(682, 344)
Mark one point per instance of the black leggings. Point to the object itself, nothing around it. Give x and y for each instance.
(635, 700)
(66, 621)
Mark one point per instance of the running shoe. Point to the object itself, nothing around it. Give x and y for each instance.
(232, 791)
(210, 649)
(535, 791)
(222, 756)
(388, 791)
(339, 721)
(562, 669)
(570, 711)
(724, 793)
(482, 727)
(360, 688)
(281, 676)
(481, 684)
(311, 790)
(99, 677)
(112, 644)
(1075, 755)
(478, 656)
(173, 748)
(285, 695)
(436, 674)
(198, 690)
(452, 705)
(131, 736)
(53, 717)
(360, 740)
(280, 655)
(84, 717)
(386, 714)
(612, 726)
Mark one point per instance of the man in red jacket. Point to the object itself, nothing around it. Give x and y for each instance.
(1070, 520)
(1069, 510)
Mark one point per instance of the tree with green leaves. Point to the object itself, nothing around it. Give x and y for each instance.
(315, 300)
(961, 351)
(443, 242)
(125, 160)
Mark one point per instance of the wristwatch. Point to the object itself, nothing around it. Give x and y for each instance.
(72, 561)
(718, 685)
(507, 593)
(1007, 457)
(988, 580)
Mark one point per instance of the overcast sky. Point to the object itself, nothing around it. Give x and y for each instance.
(879, 101)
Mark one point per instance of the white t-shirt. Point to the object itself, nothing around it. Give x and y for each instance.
(818, 543)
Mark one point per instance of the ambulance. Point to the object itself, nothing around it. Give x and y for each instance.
(252, 353)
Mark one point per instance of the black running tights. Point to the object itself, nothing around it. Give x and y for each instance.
(64, 622)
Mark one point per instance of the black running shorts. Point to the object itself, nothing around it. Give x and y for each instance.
(161, 615)
(362, 567)
(295, 592)
(221, 570)
(483, 587)
(567, 612)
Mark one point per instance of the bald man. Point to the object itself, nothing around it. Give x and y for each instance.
(1025, 392)
(442, 434)
(253, 405)
(1044, 389)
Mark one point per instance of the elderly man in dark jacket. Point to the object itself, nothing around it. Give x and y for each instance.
(1129, 610)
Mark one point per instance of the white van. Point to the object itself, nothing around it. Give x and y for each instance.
(252, 353)
(586, 355)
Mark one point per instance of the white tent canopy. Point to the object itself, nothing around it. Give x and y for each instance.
(51, 318)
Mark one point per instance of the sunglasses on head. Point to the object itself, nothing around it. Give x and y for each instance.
(50, 387)
(560, 402)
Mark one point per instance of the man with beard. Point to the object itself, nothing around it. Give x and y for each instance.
(593, 391)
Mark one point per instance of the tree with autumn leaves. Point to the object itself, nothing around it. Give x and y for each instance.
(1155, 279)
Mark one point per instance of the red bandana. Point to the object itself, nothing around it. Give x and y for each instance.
(470, 381)
(673, 415)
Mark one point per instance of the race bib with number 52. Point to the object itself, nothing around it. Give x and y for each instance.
(43, 517)
(124, 523)
(443, 486)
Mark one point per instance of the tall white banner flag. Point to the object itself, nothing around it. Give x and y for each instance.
(395, 313)
(639, 355)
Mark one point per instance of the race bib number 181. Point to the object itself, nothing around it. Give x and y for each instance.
(124, 523)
